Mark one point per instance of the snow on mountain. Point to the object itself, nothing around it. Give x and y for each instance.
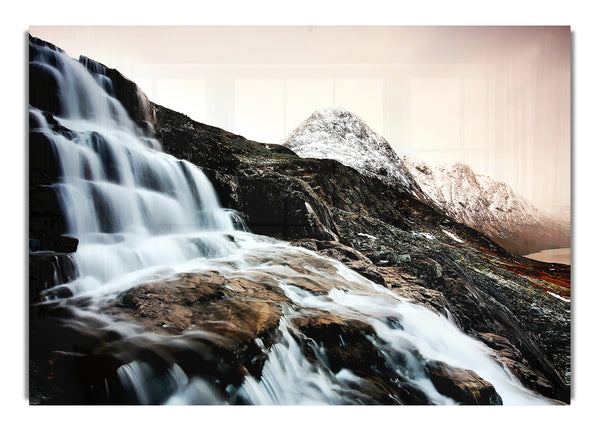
(489, 206)
(337, 134)
(476, 200)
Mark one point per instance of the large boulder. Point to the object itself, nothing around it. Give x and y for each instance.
(346, 343)
(236, 310)
(464, 386)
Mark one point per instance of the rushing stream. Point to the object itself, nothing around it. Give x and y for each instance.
(140, 215)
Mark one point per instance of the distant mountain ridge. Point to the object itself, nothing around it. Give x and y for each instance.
(475, 200)
(489, 206)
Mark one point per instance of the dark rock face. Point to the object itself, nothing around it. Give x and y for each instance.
(47, 224)
(47, 270)
(283, 208)
(44, 88)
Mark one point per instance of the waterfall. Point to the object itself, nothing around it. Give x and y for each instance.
(140, 214)
(131, 206)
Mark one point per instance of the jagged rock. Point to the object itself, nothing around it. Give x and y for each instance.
(464, 386)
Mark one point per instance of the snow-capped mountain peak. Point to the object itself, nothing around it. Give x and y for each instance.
(335, 133)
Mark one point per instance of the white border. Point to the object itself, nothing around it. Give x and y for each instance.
(16, 20)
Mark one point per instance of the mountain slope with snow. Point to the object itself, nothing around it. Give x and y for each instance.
(475, 200)
(337, 134)
(489, 206)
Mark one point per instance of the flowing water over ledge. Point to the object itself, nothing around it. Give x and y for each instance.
(143, 216)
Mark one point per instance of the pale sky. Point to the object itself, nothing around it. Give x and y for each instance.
(496, 98)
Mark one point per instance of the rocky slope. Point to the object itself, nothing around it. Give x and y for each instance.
(489, 206)
(221, 323)
(415, 248)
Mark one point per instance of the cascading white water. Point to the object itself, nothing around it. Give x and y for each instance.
(138, 212)
(131, 206)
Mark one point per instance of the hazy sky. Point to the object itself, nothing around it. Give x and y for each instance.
(496, 98)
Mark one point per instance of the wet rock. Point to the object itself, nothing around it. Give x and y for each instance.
(47, 224)
(464, 386)
(347, 255)
(56, 344)
(267, 290)
(347, 344)
(237, 311)
(344, 341)
(409, 286)
(513, 359)
(84, 362)
(43, 160)
(200, 301)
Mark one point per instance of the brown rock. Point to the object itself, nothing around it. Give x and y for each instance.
(464, 386)
(407, 285)
(352, 258)
(344, 340)
(232, 313)
(238, 308)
